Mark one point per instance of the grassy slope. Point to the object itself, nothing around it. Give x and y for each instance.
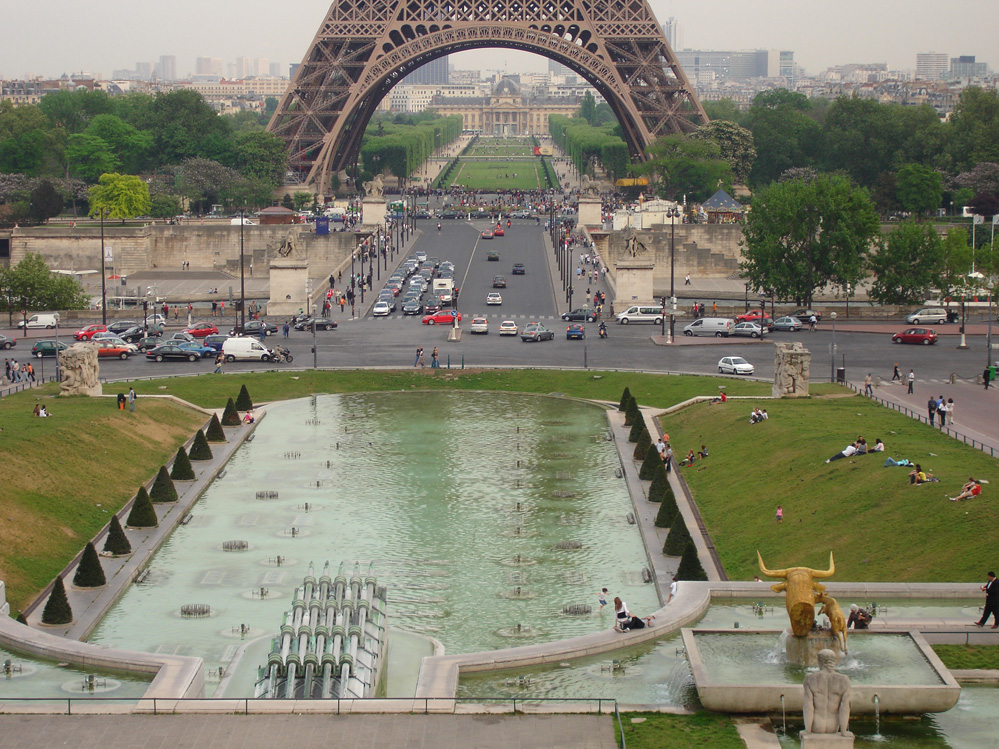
(878, 526)
(698, 731)
(62, 476)
(968, 656)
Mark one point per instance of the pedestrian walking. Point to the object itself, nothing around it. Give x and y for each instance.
(418, 362)
(812, 322)
(896, 375)
(131, 400)
(285, 329)
(219, 359)
(931, 408)
(435, 359)
(868, 385)
(911, 379)
(991, 590)
(686, 280)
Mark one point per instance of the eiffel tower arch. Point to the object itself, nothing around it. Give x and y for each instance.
(365, 47)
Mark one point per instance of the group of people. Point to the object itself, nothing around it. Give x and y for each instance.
(434, 358)
(624, 620)
(858, 447)
(14, 371)
(41, 411)
(941, 409)
(757, 415)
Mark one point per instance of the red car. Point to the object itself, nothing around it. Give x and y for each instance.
(112, 349)
(202, 329)
(498, 232)
(85, 334)
(441, 318)
(754, 316)
(924, 336)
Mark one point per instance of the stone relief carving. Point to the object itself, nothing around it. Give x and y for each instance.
(792, 370)
(80, 370)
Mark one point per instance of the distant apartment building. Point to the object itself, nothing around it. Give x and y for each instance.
(417, 98)
(704, 66)
(932, 66)
(557, 68)
(966, 67)
(166, 68)
(209, 66)
(464, 76)
(671, 29)
(434, 73)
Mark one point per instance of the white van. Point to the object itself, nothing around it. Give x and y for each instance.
(719, 327)
(43, 320)
(246, 349)
(640, 313)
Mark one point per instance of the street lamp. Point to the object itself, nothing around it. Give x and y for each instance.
(104, 284)
(674, 213)
(242, 277)
(832, 358)
(988, 338)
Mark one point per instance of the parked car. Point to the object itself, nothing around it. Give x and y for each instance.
(253, 327)
(735, 365)
(806, 314)
(479, 325)
(487, 234)
(322, 323)
(442, 318)
(89, 331)
(508, 327)
(494, 297)
(719, 327)
(499, 282)
(788, 323)
(749, 329)
(754, 315)
(579, 314)
(575, 330)
(6, 343)
(535, 331)
(925, 336)
(171, 352)
(120, 326)
(202, 329)
(519, 269)
(47, 348)
(927, 315)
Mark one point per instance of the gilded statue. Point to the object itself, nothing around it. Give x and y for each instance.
(801, 589)
(837, 619)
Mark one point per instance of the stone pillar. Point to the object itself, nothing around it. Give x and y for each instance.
(590, 211)
(373, 210)
(632, 283)
(289, 279)
(792, 370)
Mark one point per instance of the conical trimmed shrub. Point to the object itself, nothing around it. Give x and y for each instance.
(652, 459)
(117, 542)
(659, 483)
(690, 566)
(90, 573)
(163, 489)
(243, 402)
(230, 417)
(669, 514)
(182, 468)
(677, 539)
(57, 610)
(215, 433)
(637, 427)
(631, 413)
(143, 515)
(199, 448)
(643, 445)
(20, 619)
(625, 397)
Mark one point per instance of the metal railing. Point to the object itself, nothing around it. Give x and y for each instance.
(17, 387)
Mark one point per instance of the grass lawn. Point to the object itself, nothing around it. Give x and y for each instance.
(505, 149)
(968, 656)
(698, 731)
(492, 175)
(63, 476)
(878, 526)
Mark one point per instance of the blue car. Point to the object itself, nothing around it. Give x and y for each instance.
(215, 341)
(197, 348)
(575, 330)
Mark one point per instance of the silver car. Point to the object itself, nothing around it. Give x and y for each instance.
(735, 365)
(927, 315)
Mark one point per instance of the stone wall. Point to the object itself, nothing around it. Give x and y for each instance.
(702, 250)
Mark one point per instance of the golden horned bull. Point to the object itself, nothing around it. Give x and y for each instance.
(801, 589)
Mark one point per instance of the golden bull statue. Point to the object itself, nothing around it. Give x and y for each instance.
(801, 589)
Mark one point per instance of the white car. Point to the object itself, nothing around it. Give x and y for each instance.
(750, 329)
(735, 365)
(479, 325)
(381, 309)
(116, 340)
(494, 297)
(508, 327)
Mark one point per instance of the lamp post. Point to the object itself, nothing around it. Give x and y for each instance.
(832, 357)
(104, 283)
(242, 277)
(988, 337)
(674, 214)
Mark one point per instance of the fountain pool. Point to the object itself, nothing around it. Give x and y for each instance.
(31, 677)
(493, 519)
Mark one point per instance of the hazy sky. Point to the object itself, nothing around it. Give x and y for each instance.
(51, 37)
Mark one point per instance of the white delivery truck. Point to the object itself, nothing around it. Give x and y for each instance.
(444, 288)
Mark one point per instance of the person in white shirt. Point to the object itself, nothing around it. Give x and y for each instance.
(848, 451)
(672, 590)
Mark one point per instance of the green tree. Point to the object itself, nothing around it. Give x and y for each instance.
(243, 400)
(215, 433)
(637, 427)
(119, 196)
(974, 128)
(919, 188)
(668, 513)
(625, 398)
(89, 573)
(587, 109)
(907, 265)
(130, 146)
(261, 154)
(23, 154)
(724, 109)
(678, 538)
(642, 446)
(117, 542)
(57, 609)
(690, 567)
(199, 448)
(632, 413)
(88, 157)
(681, 165)
(182, 469)
(163, 489)
(31, 285)
(958, 258)
(74, 110)
(204, 182)
(784, 133)
(162, 205)
(183, 126)
(143, 514)
(46, 202)
(652, 460)
(801, 235)
(735, 142)
(302, 199)
(287, 202)
(230, 416)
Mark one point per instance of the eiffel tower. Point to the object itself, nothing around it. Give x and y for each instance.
(365, 47)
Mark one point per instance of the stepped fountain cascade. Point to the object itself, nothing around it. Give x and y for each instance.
(332, 641)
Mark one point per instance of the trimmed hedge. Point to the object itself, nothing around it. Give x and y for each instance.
(230, 417)
(637, 428)
(199, 448)
(243, 402)
(677, 540)
(690, 566)
(57, 609)
(631, 412)
(117, 542)
(182, 468)
(143, 515)
(668, 516)
(642, 445)
(659, 481)
(90, 573)
(215, 432)
(163, 489)
(625, 398)
(652, 459)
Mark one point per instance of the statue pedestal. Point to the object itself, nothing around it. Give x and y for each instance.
(804, 651)
(632, 284)
(373, 210)
(825, 740)
(590, 211)
(289, 282)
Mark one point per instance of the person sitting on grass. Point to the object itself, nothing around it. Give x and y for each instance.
(703, 452)
(969, 490)
(861, 446)
(756, 416)
(689, 460)
(918, 476)
(721, 398)
(879, 446)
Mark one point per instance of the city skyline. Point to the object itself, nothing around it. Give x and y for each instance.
(856, 32)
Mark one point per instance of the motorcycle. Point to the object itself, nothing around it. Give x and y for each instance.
(438, 226)
(281, 354)
(602, 330)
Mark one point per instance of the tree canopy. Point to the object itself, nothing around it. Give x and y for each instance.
(682, 165)
(31, 285)
(119, 196)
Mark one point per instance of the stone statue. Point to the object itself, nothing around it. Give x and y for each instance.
(287, 246)
(792, 370)
(837, 619)
(588, 186)
(80, 370)
(633, 245)
(374, 188)
(800, 586)
(827, 705)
